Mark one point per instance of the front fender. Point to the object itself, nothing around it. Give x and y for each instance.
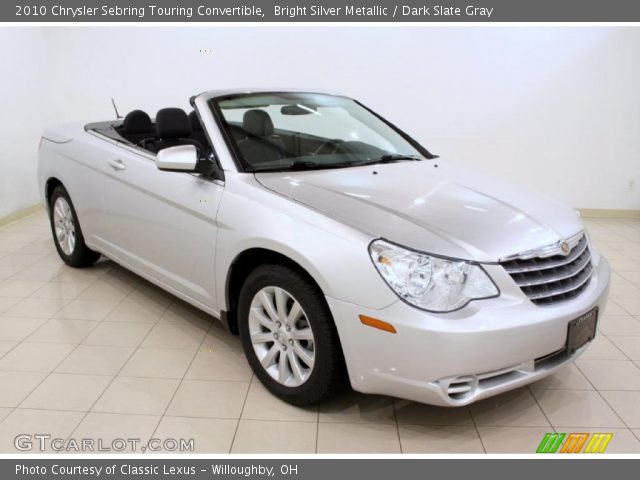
(333, 254)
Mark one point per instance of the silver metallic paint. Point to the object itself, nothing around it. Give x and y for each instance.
(183, 232)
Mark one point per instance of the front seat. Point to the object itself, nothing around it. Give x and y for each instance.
(173, 129)
(137, 126)
(259, 146)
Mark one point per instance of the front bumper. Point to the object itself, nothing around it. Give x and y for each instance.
(454, 359)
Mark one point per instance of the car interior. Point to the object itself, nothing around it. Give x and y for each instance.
(255, 136)
(256, 139)
(172, 127)
(260, 142)
(263, 146)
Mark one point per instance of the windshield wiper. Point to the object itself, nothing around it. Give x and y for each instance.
(300, 165)
(303, 165)
(309, 165)
(392, 157)
(389, 158)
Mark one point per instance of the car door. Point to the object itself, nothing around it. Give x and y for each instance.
(81, 167)
(163, 223)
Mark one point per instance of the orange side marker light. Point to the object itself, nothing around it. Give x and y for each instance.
(375, 323)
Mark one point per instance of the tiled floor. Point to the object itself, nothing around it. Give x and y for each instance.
(100, 353)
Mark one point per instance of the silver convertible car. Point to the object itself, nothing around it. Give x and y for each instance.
(336, 246)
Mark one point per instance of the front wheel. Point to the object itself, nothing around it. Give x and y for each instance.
(289, 337)
(67, 234)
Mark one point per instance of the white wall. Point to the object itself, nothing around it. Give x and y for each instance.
(20, 116)
(555, 109)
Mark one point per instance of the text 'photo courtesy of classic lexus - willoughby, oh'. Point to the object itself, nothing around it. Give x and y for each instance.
(337, 247)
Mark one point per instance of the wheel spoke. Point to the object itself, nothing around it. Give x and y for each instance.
(267, 304)
(281, 304)
(66, 210)
(305, 355)
(296, 368)
(263, 320)
(261, 337)
(270, 358)
(58, 210)
(283, 371)
(302, 334)
(294, 313)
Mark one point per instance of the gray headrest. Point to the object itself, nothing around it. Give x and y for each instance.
(257, 123)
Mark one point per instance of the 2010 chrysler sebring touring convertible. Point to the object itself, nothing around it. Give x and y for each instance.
(334, 244)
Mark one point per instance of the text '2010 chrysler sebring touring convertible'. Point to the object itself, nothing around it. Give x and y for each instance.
(334, 244)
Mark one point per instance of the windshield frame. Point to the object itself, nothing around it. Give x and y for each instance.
(243, 167)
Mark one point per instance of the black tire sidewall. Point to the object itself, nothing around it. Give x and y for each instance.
(326, 376)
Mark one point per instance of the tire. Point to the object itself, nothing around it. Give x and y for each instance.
(67, 235)
(291, 341)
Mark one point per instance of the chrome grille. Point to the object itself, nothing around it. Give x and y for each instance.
(553, 277)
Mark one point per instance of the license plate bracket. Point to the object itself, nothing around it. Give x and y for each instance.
(581, 330)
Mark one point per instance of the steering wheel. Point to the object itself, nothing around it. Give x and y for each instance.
(328, 147)
(145, 142)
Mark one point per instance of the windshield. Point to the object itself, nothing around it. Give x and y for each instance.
(303, 131)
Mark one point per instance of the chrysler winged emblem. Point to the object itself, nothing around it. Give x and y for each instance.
(565, 248)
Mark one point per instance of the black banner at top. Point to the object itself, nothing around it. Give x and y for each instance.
(260, 11)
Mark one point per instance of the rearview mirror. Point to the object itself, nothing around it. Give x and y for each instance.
(296, 110)
(182, 158)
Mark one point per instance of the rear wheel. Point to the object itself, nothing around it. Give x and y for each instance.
(289, 336)
(67, 234)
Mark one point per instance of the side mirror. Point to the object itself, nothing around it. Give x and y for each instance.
(182, 158)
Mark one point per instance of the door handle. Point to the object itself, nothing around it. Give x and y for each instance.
(117, 164)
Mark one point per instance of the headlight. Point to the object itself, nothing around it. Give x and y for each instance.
(428, 282)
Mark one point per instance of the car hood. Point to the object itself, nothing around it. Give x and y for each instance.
(432, 206)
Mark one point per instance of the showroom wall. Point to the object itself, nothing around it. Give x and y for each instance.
(554, 109)
(21, 57)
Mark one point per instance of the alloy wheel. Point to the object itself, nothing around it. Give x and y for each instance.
(281, 336)
(64, 226)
